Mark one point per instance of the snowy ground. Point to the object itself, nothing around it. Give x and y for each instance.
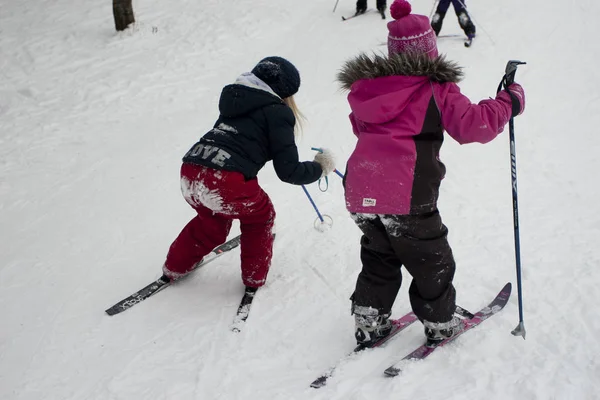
(92, 128)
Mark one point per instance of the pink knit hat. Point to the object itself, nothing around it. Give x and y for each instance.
(410, 32)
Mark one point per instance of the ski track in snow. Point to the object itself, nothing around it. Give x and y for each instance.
(93, 125)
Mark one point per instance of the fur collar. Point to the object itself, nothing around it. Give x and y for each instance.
(366, 67)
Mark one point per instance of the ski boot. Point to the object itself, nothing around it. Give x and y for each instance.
(370, 326)
(437, 332)
(436, 22)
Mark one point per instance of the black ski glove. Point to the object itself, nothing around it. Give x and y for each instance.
(506, 81)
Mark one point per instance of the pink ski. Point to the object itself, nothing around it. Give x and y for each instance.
(423, 351)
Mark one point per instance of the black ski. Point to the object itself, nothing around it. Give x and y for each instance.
(467, 42)
(358, 14)
(243, 309)
(164, 281)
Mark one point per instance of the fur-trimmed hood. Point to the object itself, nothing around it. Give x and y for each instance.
(383, 88)
(371, 67)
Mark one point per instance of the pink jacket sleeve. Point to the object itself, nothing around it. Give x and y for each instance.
(467, 122)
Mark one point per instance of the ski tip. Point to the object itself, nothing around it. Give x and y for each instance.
(392, 371)
(507, 288)
(319, 383)
(110, 311)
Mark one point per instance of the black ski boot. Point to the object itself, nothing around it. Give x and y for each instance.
(436, 332)
(370, 326)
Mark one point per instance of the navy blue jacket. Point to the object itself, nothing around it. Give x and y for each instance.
(254, 127)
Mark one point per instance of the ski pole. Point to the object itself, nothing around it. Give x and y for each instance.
(336, 3)
(507, 80)
(435, 3)
(313, 204)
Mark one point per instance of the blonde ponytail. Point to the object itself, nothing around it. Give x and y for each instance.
(300, 119)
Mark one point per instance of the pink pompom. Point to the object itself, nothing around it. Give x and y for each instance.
(400, 8)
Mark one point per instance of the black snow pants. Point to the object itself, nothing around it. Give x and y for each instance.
(419, 242)
(361, 5)
(464, 20)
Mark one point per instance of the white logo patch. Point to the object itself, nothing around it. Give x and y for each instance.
(369, 202)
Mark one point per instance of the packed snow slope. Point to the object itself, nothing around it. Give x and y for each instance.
(93, 125)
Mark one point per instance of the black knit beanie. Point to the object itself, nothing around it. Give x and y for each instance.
(279, 74)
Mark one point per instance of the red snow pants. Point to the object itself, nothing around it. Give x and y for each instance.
(219, 197)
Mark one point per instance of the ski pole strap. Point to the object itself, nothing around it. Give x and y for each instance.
(507, 80)
(326, 179)
(515, 103)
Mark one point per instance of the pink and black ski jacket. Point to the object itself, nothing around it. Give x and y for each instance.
(401, 105)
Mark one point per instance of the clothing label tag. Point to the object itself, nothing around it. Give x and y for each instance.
(369, 202)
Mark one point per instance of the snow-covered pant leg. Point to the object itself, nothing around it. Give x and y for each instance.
(220, 197)
(459, 6)
(378, 282)
(203, 233)
(464, 20)
(201, 188)
(438, 18)
(256, 224)
(420, 241)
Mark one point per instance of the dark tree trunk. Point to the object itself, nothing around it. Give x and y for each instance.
(123, 13)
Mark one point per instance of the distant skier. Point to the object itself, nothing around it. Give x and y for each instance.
(401, 105)
(257, 119)
(361, 7)
(460, 9)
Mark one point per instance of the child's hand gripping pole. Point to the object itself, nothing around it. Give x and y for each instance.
(323, 221)
(338, 173)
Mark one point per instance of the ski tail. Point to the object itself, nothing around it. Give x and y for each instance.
(139, 296)
(398, 326)
(164, 281)
(243, 309)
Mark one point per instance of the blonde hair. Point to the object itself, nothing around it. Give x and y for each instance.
(300, 118)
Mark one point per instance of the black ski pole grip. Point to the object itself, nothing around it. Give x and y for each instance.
(510, 71)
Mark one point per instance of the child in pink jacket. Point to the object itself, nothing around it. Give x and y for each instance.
(401, 105)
